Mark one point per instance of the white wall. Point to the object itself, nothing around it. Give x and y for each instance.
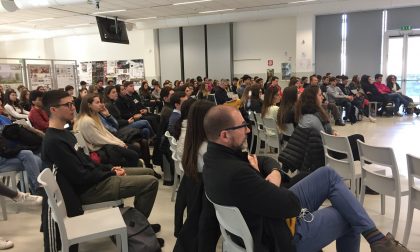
(254, 43)
(305, 45)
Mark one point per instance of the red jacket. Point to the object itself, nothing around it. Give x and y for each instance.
(382, 88)
(38, 119)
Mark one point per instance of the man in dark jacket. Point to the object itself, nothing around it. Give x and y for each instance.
(280, 219)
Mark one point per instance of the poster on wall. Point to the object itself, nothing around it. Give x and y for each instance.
(40, 75)
(85, 72)
(286, 71)
(98, 71)
(65, 75)
(11, 75)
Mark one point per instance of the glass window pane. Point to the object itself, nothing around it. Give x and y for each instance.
(395, 56)
(413, 69)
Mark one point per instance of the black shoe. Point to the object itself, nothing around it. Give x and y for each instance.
(157, 175)
(339, 123)
(161, 242)
(155, 227)
(168, 183)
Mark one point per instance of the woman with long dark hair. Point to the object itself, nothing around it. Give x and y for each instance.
(24, 100)
(201, 215)
(271, 98)
(286, 112)
(12, 106)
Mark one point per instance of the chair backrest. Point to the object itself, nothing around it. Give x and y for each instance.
(383, 156)
(413, 167)
(258, 119)
(81, 142)
(270, 125)
(231, 220)
(55, 199)
(340, 144)
(212, 98)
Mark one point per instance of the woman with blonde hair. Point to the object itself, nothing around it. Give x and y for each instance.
(98, 138)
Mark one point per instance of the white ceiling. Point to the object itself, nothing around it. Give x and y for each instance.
(67, 17)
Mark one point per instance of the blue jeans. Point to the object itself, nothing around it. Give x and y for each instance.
(27, 161)
(144, 126)
(396, 98)
(344, 221)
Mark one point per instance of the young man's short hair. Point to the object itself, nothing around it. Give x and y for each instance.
(34, 95)
(52, 98)
(176, 97)
(246, 77)
(165, 91)
(275, 78)
(82, 83)
(68, 88)
(378, 76)
(127, 83)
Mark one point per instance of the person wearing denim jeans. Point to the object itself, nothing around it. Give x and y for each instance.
(24, 160)
(281, 219)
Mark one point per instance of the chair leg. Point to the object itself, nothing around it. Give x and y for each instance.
(382, 204)
(396, 215)
(407, 230)
(124, 241)
(174, 187)
(3, 207)
(362, 192)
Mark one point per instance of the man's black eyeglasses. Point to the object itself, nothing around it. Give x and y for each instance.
(243, 125)
(68, 104)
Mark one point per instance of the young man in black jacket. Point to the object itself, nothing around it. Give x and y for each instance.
(91, 183)
(281, 219)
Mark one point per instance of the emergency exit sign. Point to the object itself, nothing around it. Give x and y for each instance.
(406, 28)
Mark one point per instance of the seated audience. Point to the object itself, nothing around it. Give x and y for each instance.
(286, 112)
(176, 100)
(391, 82)
(397, 98)
(329, 106)
(12, 106)
(38, 116)
(281, 219)
(98, 138)
(374, 95)
(92, 183)
(130, 105)
(24, 100)
(251, 100)
(220, 93)
(244, 82)
(180, 128)
(82, 93)
(269, 108)
(110, 98)
(336, 96)
(200, 231)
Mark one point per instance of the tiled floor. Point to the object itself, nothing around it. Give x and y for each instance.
(403, 134)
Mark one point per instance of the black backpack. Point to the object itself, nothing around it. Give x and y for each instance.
(141, 237)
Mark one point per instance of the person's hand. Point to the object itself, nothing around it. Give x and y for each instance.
(335, 133)
(119, 171)
(105, 112)
(131, 120)
(253, 161)
(274, 178)
(137, 116)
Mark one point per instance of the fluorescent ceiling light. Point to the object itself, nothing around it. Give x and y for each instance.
(111, 11)
(39, 19)
(213, 11)
(145, 18)
(302, 1)
(192, 2)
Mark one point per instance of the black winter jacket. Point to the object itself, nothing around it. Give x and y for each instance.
(304, 151)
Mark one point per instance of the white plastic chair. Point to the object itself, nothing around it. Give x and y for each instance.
(255, 137)
(179, 171)
(10, 177)
(344, 167)
(81, 142)
(74, 230)
(384, 184)
(413, 165)
(232, 222)
(262, 135)
(272, 138)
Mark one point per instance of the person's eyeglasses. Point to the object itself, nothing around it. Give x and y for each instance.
(243, 125)
(68, 104)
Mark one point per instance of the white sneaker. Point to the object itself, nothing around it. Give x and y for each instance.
(5, 244)
(371, 119)
(28, 198)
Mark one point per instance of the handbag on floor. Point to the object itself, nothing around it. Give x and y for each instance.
(141, 237)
